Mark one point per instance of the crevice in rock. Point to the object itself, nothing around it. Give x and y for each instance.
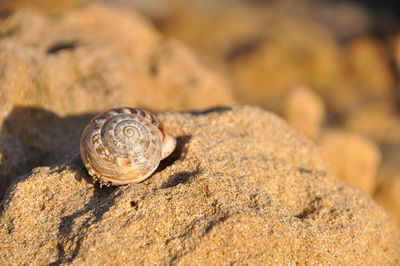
(5, 13)
(57, 47)
(154, 67)
(314, 207)
(244, 48)
(220, 109)
(213, 223)
(303, 170)
(133, 204)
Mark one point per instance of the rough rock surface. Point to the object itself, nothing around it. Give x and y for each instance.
(97, 57)
(242, 186)
(32, 137)
(90, 59)
(354, 72)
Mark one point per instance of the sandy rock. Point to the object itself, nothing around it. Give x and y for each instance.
(294, 52)
(368, 67)
(387, 195)
(305, 111)
(379, 121)
(90, 59)
(307, 44)
(103, 56)
(396, 48)
(352, 157)
(32, 137)
(214, 31)
(300, 52)
(242, 186)
(47, 6)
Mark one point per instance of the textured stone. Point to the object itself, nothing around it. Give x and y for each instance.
(103, 56)
(241, 187)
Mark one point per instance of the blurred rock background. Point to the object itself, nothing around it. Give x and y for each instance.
(330, 68)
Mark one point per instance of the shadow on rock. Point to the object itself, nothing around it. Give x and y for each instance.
(218, 110)
(179, 153)
(32, 137)
(103, 199)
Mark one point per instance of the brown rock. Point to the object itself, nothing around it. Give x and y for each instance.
(102, 56)
(353, 158)
(242, 186)
(32, 137)
(89, 59)
(305, 111)
(368, 68)
(294, 52)
(212, 30)
(388, 195)
(47, 6)
(379, 121)
(396, 48)
(264, 62)
(300, 52)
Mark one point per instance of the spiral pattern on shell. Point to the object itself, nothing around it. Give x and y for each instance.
(124, 145)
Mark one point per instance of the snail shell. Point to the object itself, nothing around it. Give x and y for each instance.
(124, 145)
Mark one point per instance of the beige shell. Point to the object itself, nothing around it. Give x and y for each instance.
(124, 145)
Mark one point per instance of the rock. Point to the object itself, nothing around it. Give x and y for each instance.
(47, 6)
(32, 137)
(103, 56)
(396, 48)
(293, 52)
(308, 44)
(242, 186)
(305, 111)
(379, 121)
(299, 52)
(369, 68)
(388, 189)
(353, 158)
(87, 60)
(387, 195)
(213, 30)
